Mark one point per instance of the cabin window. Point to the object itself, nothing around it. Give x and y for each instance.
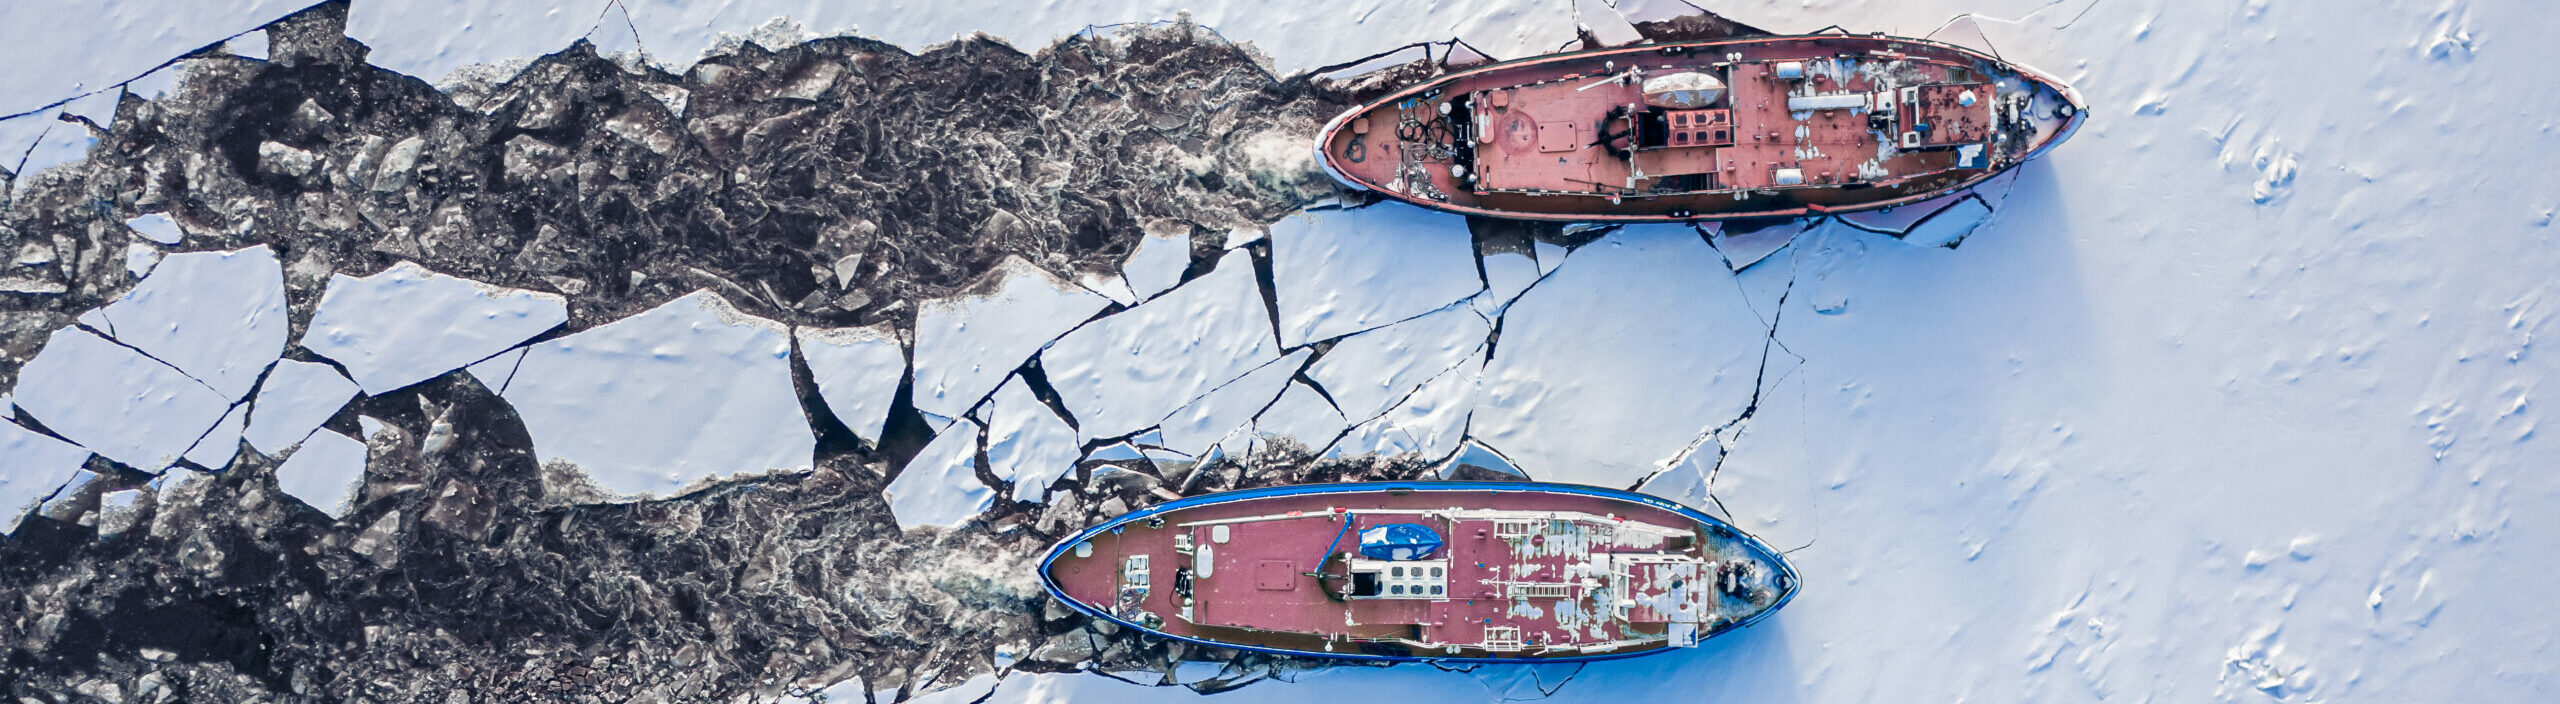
(1435, 571)
(1396, 571)
(1679, 138)
(1435, 590)
(1395, 589)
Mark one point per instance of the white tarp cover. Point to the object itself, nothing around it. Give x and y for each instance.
(1686, 90)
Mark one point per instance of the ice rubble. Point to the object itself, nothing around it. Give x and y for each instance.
(1621, 358)
(324, 472)
(651, 403)
(857, 371)
(940, 486)
(407, 324)
(1128, 371)
(116, 401)
(219, 317)
(1026, 442)
(295, 399)
(1218, 414)
(32, 465)
(967, 344)
(1338, 272)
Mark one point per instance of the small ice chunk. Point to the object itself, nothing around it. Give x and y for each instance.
(1950, 226)
(1027, 442)
(157, 228)
(140, 257)
(940, 486)
(1745, 248)
(1370, 372)
(407, 324)
(370, 426)
(1478, 455)
(1686, 482)
(1506, 274)
(967, 344)
(1230, 408)
(217, 316)
(494, 372)
(1304, 415)
(32, 465)
(296, 398)
(1128, 371)
(215, 450)
(1244, 236)
(1157, 264)
(857, 371)
(324, 472)
(115, 401)
(650, 403)
(1338, 272)
(1115, 451)
(1550, 256)
(1899, 219)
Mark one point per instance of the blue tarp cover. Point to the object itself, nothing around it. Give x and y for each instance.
(1399, 541)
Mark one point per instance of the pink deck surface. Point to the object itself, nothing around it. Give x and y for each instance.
(1258, 577)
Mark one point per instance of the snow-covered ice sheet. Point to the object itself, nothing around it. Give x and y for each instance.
(217, 316)
(324, 471)
(967, 344)
(1337, 272)
(494, 373)
(857, 371)
(1126, 372)
(408, 324)
(157, 228)
(1156, 264)
(32, 465)
(115, 401)
(1027, 442)
(1302, 414)
(1368, 373)
(651, 403)
(295, 399)
(1430, 421)
(1625, 354)
(1218, 414)
(219, 445)
(940, 486)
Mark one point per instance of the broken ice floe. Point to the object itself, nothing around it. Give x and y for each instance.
(494, 372)
(1477, 455)
(651, 403)
(1620, 360)
(1506, 274)
(215, 450)
(1156, 264)
(1128, 371)
(217, 316)
(1302, 414)
(324, 471)
(1429, 421)
(407, 324)
(1338, 272)
(295, 399)
(967, 344)
(140, 257)
(1743, 247)
(1370, 372)
(157, 228)
(1203, 423)
(857, 371)
(940, 486)
(1026, 442)
(32, 465)
(116, 401)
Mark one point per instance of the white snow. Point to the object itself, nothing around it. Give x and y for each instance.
(1506, 274)
(967, 344)
(1948, 226)
(1338, 272)
(651, 403)
(218, 446)
(857, 371)
(296, 398)
(1195, 427)
(1126, 372)
(217, 316)
(1368, 373)
(1156, 265)
(407, 324)
(940, 486)
(115, 401)
(1027, 442)
(1302, 414)
(32, 465)
(1626, 353)
(324, 472)
(1429, 422)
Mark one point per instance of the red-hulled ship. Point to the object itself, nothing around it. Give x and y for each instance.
(1436, 571)
(1764, 126)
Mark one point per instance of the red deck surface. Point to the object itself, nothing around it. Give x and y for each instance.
(1258, 577)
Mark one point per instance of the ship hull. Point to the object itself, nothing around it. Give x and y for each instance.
(1780, 163)
(1076, 570)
